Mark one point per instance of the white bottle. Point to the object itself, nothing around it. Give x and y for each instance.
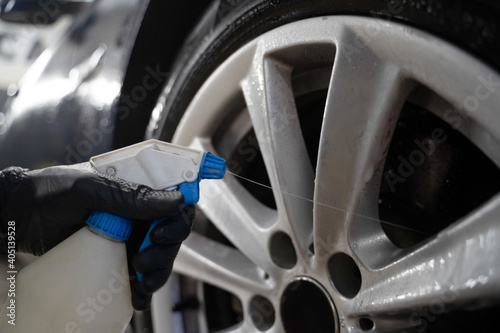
(80, 286)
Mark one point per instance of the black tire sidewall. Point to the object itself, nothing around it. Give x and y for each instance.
(230, 24)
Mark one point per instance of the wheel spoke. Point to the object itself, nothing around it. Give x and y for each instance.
(272, 108)
(237, 214)
(457, 268)
(362, 108)
(219, 265)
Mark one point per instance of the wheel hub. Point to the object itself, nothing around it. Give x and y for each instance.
(307, 307)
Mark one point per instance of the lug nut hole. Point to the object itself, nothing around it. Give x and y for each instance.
(282, 250)
(262, 313)
(366, 324)
(344, 274)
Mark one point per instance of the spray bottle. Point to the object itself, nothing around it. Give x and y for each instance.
(82, 285)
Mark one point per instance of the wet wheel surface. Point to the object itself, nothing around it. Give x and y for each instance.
(363, 192)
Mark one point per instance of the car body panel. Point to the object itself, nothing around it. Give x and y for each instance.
(62, 113)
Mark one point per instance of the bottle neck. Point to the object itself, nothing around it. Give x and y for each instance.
(109, 225)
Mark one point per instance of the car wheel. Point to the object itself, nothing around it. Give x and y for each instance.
(364, 155)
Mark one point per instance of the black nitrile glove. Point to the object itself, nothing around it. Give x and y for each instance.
(155, 262)
(49, 205)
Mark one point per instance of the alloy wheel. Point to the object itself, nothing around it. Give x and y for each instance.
(341, 233)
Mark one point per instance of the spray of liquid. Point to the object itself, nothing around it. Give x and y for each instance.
(326, 205)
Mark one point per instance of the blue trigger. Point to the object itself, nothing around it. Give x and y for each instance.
(191, 192)
(147, 242)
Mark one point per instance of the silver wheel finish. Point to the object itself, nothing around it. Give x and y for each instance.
(377, 66)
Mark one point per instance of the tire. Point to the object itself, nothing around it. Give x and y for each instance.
(228, 25)
(373, 130)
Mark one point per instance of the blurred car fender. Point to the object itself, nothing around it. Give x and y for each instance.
(62, 111)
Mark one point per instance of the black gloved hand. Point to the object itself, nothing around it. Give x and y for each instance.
(49, 205)
(155, 262)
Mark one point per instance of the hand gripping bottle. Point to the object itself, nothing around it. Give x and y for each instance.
(82, 285)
